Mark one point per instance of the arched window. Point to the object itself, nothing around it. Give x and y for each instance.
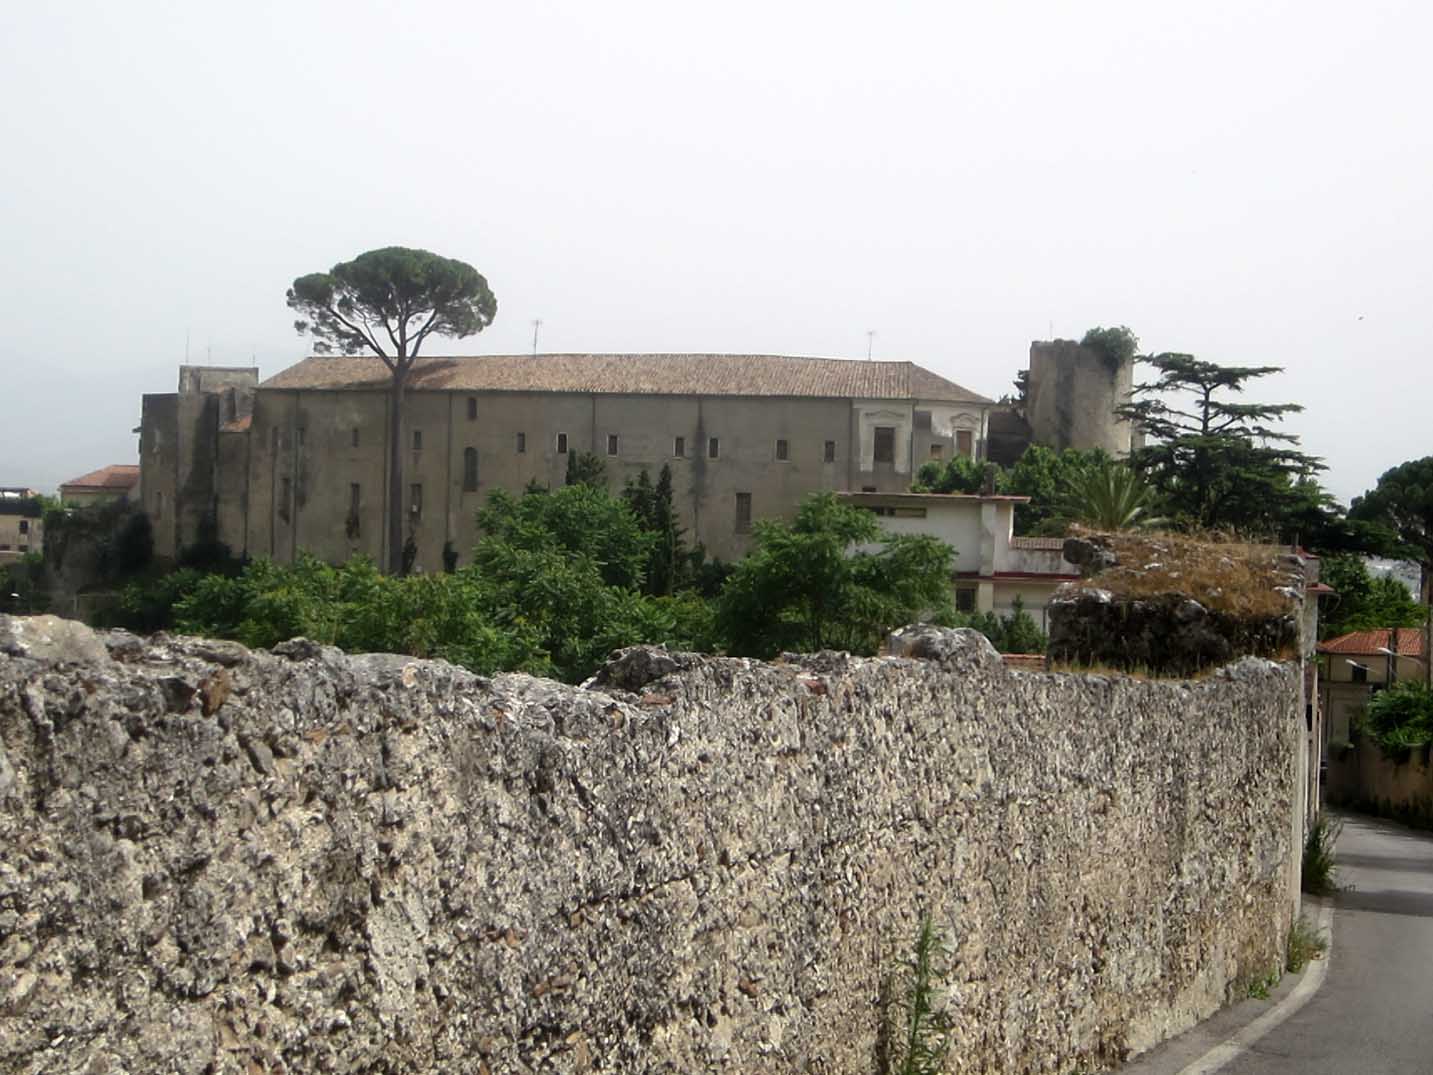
(470, 470)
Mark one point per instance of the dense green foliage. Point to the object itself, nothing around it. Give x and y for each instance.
(586, 468)
(1014, 632)
(1217, 463)
(559, 580)
(959, 474)
(1401, 716)
(808, 585)
(22, 585)
(1364, 602)
(1116, 345)
(1044, 475)
(1109, 496)
(1402, 501)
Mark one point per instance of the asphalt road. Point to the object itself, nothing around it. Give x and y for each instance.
(1374, 1011)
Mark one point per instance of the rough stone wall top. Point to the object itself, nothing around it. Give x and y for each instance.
(217, 860)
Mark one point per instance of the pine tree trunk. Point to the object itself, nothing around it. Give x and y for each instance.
(395, 473)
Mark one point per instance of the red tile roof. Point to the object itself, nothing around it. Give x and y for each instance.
(1024, 662)
(640, 375)
(119, 477)
(1040, 544)
(1372, 643)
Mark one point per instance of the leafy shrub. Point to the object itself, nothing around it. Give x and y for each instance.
(1400, 717)
(1319, 870)
(1304, 944)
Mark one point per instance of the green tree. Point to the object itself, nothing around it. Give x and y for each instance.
(576, 520)
(959, 474)
(1110, 497)
(1401, 716)
(1364, 602)
(1116, 345)
(1402, 502)
(388, 302)
(808, 585)
(1214, 462)
(656, 514)
(1047, 477)
(586, 468)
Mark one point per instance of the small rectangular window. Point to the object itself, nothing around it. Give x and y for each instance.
(1359, 674)
(274, 438)
(472, 408)
(562, 444)
(417, 440)
(937, 451)
(830, 452)
(355, 436)
(286, 497)
(964, 442)
(783, 450)
(743, 512)
(713, 448)
(885, 444)
(611, 443)
(470, 470)
(964, 599)
(354, 499)
(521, 443)
(24, 526)
(415, 499)
(679, 447)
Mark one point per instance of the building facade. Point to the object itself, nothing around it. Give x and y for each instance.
(104, 486)
(993, 568)
(299, 461)
(22, 524)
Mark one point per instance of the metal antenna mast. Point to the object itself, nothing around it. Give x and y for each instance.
(870, 342)
(537, 324)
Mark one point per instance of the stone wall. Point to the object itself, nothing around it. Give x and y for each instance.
(220, 861)
(1363, 777)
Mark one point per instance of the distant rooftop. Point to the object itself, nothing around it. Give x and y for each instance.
(119, 477)
(1373, 643)
(657, 375)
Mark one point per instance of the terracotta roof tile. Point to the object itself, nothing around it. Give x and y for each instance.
(668, 374)
(120, 476)
(1040, 544)
(1372, 643)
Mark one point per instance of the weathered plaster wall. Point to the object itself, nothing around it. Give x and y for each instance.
(212, 860)
(1363, 777)
(1073, 396)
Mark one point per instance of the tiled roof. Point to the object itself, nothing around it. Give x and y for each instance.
(1024, 662)
(1372, 643)
(1039, 544)
(676, 375)
(120, 476)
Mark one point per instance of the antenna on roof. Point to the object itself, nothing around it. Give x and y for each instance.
(870, 342)
(537, 324)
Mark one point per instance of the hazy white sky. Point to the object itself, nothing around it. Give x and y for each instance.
(1250, 182)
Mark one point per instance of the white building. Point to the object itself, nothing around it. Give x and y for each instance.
(992, 566)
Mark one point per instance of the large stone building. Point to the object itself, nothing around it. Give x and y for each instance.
(298, 462)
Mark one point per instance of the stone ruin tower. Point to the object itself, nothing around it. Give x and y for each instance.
(1073, 394)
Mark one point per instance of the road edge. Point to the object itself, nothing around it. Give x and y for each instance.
(1237, 1044)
